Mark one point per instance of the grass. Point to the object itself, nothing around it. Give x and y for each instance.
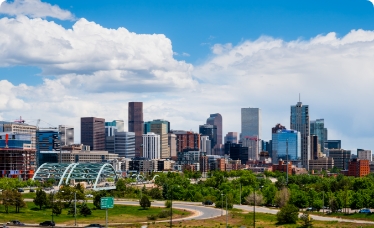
(360, 216)
(119, 214)
(29, 195)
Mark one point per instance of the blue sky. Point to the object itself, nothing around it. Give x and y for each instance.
(222, 62)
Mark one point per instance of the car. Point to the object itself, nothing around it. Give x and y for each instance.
(94, 225)
(207, 202)
(21, 190)
(15, 222)
(47, 223)
(365, 211)
(32, 190)
(89, 196)
(311, 209)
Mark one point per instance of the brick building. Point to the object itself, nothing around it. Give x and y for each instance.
(358, 168)
(282, 167)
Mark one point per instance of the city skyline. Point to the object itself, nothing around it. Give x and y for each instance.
(221, 70)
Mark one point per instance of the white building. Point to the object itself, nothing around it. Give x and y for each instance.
(251, 122)
(151, 146)
(66, 135)
(205, 145)
(364, 154)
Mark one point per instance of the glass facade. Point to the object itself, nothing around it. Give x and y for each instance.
(317, 127)
(299, 120)
(279, 145)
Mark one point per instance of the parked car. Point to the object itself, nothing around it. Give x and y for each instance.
(94, 225)
(47, 223)
(89, 196)
(21, 190)
(32, 190)
(15, 222)
(207, 202)
(365, 211)
(311, 209)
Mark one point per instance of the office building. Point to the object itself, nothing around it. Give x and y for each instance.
(66, 134)
(21, 128)
(77, 156)
(17, 163)
(187, 140)
(341, 158)
(15, 140)
(143, 165)
(110, 128)
(358, 168)
(216, 120)
(211, 132)
(151, 146)
(299, 120)
(315, 147)
(239, 152)
(93, 132)
(250, 122)
(205, 145)
(136, 124)
(317, 127)
(48, 139)
(333, 144)
(321, 163)
(253, 146)
(161, 128)
(124, 144)
(172, 143)
(286, 142)
(364, 154)
(109, 143)
(231, 137)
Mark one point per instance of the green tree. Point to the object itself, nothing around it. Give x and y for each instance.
(85, 210)
(307, 221)
(7, 197)
(97, 198)
(269, 192)
(288, 214)
(144, 202)
(121, 185)
(282, 197)
(155, 193)
(57, 207)
(40, 199)
(18, 201)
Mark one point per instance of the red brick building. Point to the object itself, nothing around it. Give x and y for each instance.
(282, 167)
(358, 168)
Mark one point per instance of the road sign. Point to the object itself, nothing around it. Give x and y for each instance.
(106, 202)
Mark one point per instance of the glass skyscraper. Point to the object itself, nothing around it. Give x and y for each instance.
(317, 127)
(299, 120)
(279, 145)
(251, 122)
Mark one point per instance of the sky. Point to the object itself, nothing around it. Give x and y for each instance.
(61, 60)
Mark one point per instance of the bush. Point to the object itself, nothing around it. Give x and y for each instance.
(164, 214)
(167, 203)
(307, 221)
(151, 217)
(288, 214)
(144, 202)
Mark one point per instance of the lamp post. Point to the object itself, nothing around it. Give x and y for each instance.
(75, 208)
(240, 199)
(323, 202)
(227, 214)
(53, 194)
(221, 204)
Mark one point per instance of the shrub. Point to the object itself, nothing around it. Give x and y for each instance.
(288, 214)
(164, 214)
(151, 217)
(144, 202)
(167, 203)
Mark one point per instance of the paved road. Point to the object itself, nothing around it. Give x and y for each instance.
(316, 217)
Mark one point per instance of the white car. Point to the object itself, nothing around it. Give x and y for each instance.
(89, 196)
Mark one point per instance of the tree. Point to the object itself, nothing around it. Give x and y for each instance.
(288, 214)
(40, 198)
(307, 221)
(269, 192)
(282, 197)
(121, 185)
(144, 202)
(7, 198)
(57, 207)
(85, 210)
(18, 200)
(250, 199)
(97, 198)
(155, 193)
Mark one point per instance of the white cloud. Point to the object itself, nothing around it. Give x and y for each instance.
(34, 9)
(186, 54)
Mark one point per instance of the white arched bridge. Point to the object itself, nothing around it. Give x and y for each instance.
(97, 176)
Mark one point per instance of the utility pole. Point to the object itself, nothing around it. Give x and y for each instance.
(240, 199)
(254, 208)
(171, 207)
(227, 214)
(323, 203)
(221, 204)
(75, 207)
(287, 160)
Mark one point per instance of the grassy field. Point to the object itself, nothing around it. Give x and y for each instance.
(119, 214)
(237, 220)
(368, 217)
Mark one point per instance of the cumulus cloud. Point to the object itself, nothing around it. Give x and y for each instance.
(34, 9)
(93, 57)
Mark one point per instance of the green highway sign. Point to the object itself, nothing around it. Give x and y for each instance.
(106, 202)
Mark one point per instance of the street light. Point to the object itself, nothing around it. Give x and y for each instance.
(226, 208)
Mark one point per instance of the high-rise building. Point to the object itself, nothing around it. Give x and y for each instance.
(162, 128)
(239, 152)
(364, 154)
(251, 122)
(93, 132)
(231, 137)
(172, 142)
(187, 140)
(317, 127)
(205, 145)
(66, 135)
(253, 146)
(151, 146)
(211, 132)
(315, 147)
(286, 142)
(124, 144)
(216, 120)
(277, 127)
(136, 125)
(299, 120)
(358, 168)
(341, 158)
(110, 128)
(20, 127)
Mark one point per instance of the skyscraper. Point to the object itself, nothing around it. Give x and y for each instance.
(124, 144)
(251, 122)
(151, 145)
(216, 119)
(66, 135)
(299, 120)
(280, 149)
(211, 131)
(136, 123)
(162, 128)
(317, 127)
(93, 132)
(231, 137)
